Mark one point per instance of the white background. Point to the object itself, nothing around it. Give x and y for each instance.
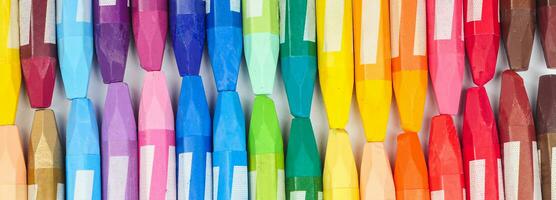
(134, 77)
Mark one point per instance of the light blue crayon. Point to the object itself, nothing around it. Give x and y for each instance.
(230, 154)
(74, 30)
(193, 141)
(83, 175)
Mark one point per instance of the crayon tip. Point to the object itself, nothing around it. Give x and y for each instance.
(150, 28)
(155, 109)
(546, 105)
(515, 110)
(299, 74)
(340, 180)
(193, 117)
(410, 173)
(225, 48)
(187, 25)
(264, 132)
(518, 30)
(376, 173)
(13, 179)
(410, 88)
(45, 158)
(82, 129)
(547, 32)
(229, 123)
(39, 74)
(112, 43)
(482, 51)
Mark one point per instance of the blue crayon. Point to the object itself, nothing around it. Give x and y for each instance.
(230, 155)
(74, 31)
(225, 42)
(82, 152)
(187, 26)
(193, 141)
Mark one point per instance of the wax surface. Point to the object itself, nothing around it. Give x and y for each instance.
(546, 129)
(150, 25)
(481, 150)
(10, 71)
(376, 173)
(410, 172)
(13, 181)
(409, 60)
(187, 27)
(546, 11)
(373, 76)
(340, 179)
(446, 179)
(517, 20)
(112, 32)
(119, 145)
(446, 52)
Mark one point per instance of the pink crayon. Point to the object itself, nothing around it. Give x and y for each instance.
(150, 24)
(446, 51)
(157, 154)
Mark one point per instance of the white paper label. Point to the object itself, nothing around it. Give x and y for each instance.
(24, 21)
(32, 192)
(50, 26)
(13, 34)
(333, 25)
(146, 168)
(184, 173)
(235, 6)
(239, 183)
(443, 19)
(84, 180)
(107, 2)
(171, 174)
(252, 185)
(553, 173)
(500, 181)
(117, 179)
(319, 194)
(309, 31)
(254, 8)
(215, 175)
(60, 192)
(59, 6)
(208, 176)
(395, 17)
(474, 10)
(207, 6)
(511, 169)
(280, 191)
(420, 40)
(370, 21)
(297, 195)
(282, 21)
(477, 179)
(83, 13)
(537, 195)
(437, 195)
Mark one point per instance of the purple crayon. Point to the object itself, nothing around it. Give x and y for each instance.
(111, 19)
(119, 145)
(150, 24)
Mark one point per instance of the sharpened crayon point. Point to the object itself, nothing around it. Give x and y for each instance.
(40, 75)
(13, 179)
(187, 25)
(112, 43)
(155, 110)
(340, 180)
(229, 123)
(376, 173)
(45, 176)
(482, 52)
(410, 173)
(150, 27)
(518, 30)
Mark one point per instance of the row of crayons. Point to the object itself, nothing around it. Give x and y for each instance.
(389, 42)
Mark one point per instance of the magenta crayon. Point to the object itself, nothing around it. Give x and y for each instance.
(150, 25)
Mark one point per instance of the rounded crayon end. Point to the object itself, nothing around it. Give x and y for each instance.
(264, 132)
(193, 117)
(482, 52)
(112, 43)
(376, 173)
(410, 89)
(229, 123)
(39, 74)
(340, 179)
(374, 98)
(410, 173)
(155, 109)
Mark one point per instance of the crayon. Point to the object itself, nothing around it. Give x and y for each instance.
(266, 157)
(119, 145)
(187, 27)
(517, 137)
(74, 30)
(193, 141)
(446, 52)
(112, 32)
(410, 172)
(225, 48)
(10, 70)
(409, 60)
(376, 173)
(373, 75)
(39, 59)
(482, 35)
(230, 181)
(157, 149)
(335, 58)
(547, 30)
(340, 179)
(481, 150)
(225, 42)
(517, 20)
(303, 165)
(13, 182)
(82, 152)
(546, 127)
(260, 37)
(446, 179)
(150, 24)
(45, 177)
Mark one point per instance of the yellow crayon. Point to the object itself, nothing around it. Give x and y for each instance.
(335, 58)
(373, 77)
(10, 73)
(340, 180)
